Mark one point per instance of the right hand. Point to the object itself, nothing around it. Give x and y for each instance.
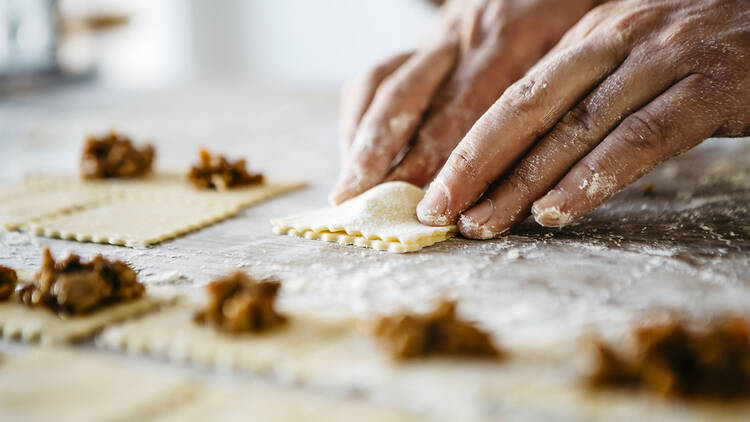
(433, 96)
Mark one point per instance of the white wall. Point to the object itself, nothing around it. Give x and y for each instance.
(308, 44)
(325, 42)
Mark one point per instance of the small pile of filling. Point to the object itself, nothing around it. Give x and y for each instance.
(439, 333)
(239, 304)
(674, 360)
(8, 281)
(216, 172)
(73, 287)
(113, 155)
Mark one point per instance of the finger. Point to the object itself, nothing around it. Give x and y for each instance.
(392, 118)
(526, 109)
(677, 120)
(586, 25)
(480, 79)
(467, 95)
(637, 81)
(357, 96)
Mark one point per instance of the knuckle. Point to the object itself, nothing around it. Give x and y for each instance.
(635, 21)
(465, 165)
(522, 179)
(573, 129)
(643, 131)
(523, 96)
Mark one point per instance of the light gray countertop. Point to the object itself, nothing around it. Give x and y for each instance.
(686, 247)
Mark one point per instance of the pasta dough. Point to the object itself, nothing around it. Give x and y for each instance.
(338, 355)
(383, 218)
(272, 403)
(44, 197)
(21, 322)
(68, 386)
(135, 223)
(131, 212)
(303, 349)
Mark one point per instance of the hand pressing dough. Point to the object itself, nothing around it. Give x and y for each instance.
(67, 386)
(383, 218)
(130, 212)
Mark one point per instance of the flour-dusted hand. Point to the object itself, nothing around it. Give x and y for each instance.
(422, 103)
(633, 83)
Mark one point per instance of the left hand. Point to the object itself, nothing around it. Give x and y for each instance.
(633, 83)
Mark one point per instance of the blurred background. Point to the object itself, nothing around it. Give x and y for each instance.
(142, 44)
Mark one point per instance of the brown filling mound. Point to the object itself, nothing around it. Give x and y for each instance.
(74, 287)
(216, 172)
(674, 360)
(438, 333)
(113, 155)
(239, 304)
(8, 281)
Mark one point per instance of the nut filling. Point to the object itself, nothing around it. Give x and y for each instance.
(72, 287)
(8, 281)
(438, 333)
(113, 155)
(216, 172)
(674, 360)
(239, 304)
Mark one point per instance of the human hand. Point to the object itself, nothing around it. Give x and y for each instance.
(633, 83)
(432, 96)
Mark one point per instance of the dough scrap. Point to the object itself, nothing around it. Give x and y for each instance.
(383, 218)
(129, 212)
(67, 386)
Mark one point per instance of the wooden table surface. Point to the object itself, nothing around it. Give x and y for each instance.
(685, 247)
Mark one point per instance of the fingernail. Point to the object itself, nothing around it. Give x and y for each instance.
(548, 210)
(481, 213)
(472, 224)
(431, 210)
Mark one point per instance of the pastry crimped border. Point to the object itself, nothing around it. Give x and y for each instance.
(355, 238)
(38, 228)
(37, 325)
(228, 206)
(99, 195)
(190, 343)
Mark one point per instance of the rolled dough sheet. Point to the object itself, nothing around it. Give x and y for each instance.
(38, 325)
(339, 355)
(141, 212)
(135, 223)
(383, 218)
(298, 351)
(253, 402)
(66, 385)
(31, 325)
(44, 197)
